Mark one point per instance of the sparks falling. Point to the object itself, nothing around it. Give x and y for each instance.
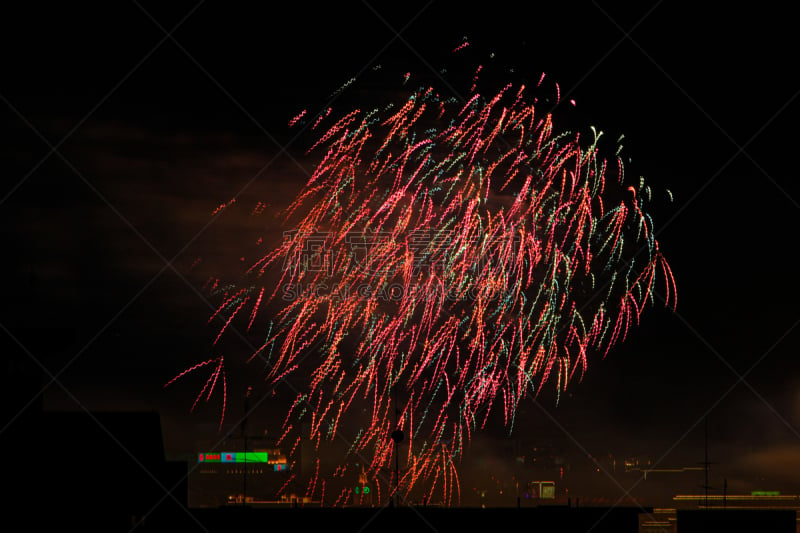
(447, 259)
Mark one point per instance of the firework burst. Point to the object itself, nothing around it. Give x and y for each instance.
(447, 259)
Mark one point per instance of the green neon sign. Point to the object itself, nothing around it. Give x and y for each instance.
(232, 457)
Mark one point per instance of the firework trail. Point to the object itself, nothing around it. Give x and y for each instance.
(455, 255)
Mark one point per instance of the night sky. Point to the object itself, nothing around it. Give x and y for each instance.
(119, 140)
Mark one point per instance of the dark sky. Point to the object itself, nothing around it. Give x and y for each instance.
(118, 142)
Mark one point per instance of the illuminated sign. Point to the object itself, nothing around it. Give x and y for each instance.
(545, 490)
(362, 490)
(765, 493)
(232, 457)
